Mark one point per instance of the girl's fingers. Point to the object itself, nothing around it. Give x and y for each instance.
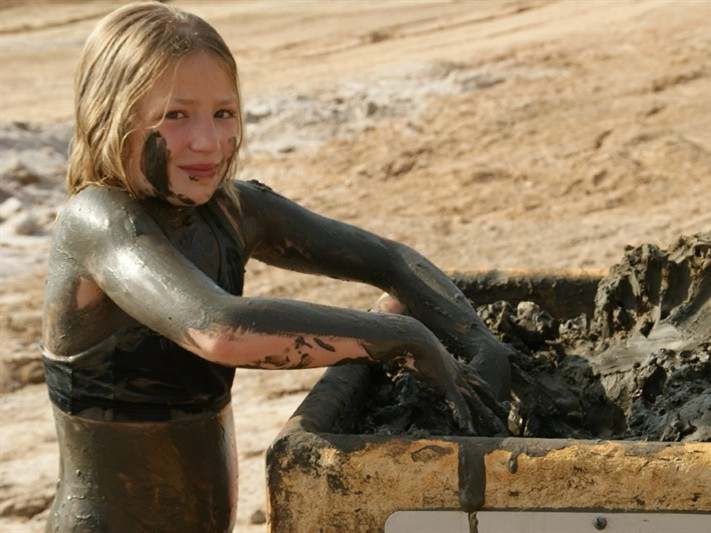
(472, 401)
(486, 412)
(485, 420)
(482, 389)
(460, 410)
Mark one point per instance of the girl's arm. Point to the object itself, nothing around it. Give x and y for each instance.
(285, 234)
(118, 247)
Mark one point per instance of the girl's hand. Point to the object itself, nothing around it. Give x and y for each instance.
(473, 403)
(476, 406)
(488, 413)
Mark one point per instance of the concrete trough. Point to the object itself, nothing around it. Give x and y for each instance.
(324, 478)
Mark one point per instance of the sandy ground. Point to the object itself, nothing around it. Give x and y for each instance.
(486, 134)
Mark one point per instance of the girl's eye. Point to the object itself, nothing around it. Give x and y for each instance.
(226, 113)
(174, 115)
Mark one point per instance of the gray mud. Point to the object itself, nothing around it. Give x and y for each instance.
(638, 368)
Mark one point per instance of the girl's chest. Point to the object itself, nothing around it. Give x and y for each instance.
(206, 240)
(196, 236)
(197, 241)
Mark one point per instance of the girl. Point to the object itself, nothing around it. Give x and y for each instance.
(144, 320)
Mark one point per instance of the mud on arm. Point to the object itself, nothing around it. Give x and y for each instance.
(121, 249)
(290, 236)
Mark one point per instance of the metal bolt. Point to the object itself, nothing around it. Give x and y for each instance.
(600, 523)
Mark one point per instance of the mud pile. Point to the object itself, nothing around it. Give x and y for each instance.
(638, 368)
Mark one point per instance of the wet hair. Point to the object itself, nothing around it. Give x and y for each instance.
(123, 57)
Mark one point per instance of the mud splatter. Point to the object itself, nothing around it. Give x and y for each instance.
(154, 162)
(638, 368)
(154, 165)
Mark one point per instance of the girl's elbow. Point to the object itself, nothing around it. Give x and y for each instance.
(214, 347)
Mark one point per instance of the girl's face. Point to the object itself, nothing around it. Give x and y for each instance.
(187, 132)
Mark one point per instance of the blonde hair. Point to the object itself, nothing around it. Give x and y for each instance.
(123, 57)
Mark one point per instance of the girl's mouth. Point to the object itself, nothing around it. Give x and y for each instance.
(200, 171)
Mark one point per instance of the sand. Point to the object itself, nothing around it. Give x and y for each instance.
(492, 134)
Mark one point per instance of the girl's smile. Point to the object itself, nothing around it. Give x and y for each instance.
(198, 171)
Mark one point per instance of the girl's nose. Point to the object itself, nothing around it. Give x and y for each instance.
(205, 136)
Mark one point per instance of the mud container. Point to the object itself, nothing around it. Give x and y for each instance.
(323, 478)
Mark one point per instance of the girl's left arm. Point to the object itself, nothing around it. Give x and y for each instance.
(282, 233)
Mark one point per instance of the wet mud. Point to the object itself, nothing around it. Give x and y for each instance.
(637, 367)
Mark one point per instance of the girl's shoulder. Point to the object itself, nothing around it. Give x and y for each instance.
(254, 197)
(248, 191)
(96, 208)
(99, 197)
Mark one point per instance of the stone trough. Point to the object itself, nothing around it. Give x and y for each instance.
(323, 477)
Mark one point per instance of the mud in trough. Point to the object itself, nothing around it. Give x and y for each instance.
(637, 367)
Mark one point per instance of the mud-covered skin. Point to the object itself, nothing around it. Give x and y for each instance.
(118, 477)
(154, 164)
(318, 245)
(119, 265)
(112, 262)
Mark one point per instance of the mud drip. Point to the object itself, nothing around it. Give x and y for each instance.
(639, 368)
